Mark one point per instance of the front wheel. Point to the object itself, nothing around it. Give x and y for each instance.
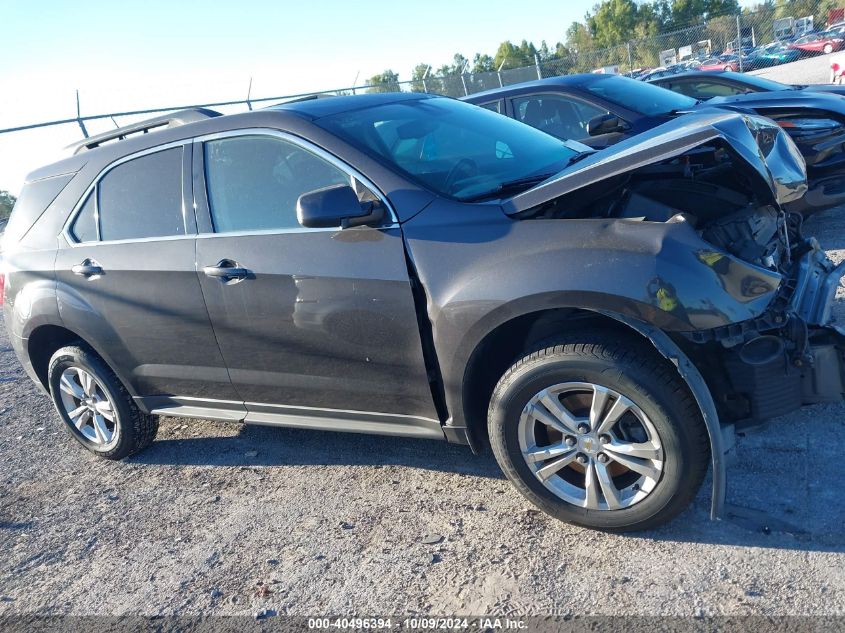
(728, 68)
(94, 405)
(601, 432)
(828, 48)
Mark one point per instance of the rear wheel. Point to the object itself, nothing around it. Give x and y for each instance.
(728, 68)
(600, 432)
(95, 407)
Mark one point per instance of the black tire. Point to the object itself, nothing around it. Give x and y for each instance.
(135, 429)
(634, 369)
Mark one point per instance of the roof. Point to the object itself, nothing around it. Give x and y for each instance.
(700, 73)
(317, 108)
(564, 80)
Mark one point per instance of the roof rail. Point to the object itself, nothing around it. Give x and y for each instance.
(174, 119)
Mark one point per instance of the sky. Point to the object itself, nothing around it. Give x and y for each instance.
(134, 55)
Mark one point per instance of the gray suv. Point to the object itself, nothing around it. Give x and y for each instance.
(417, 266)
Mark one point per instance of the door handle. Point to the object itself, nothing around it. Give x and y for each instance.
(88, 268)
(226, 270)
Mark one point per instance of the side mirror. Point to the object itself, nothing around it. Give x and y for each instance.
(605, 124)
(333, 206)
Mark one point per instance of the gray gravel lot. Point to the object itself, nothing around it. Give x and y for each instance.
(226, 519)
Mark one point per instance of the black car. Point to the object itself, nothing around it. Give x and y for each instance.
(704, 85)
(600, 110)
(416, 266)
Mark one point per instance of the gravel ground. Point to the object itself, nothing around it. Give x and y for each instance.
(220, 518)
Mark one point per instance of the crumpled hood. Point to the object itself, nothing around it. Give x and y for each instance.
(777, 169)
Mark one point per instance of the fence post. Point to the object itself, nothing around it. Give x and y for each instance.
(630, 60)
(425, 76)
(739, 41)
(249, 94)
(79, 117)
(537, 64)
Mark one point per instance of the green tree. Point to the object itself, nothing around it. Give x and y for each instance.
(423, 80)
(482, 63)
(7, 201)
(388, 81)
(613, 22)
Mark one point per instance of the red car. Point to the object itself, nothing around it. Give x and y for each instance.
(730, 63)
(819, 43)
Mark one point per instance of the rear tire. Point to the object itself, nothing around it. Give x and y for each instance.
(597, 369)
(95, 407)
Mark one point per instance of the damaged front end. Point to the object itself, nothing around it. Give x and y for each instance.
(756, 296)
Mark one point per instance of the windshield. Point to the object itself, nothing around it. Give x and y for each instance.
(453, 148)
(766, 85)
(638, 96)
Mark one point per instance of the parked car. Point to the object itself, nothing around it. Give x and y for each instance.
(769, 55)
(600, 111)
(602, 319)
(706, 85)
(654, 73)
(817, 43)
(726, 62)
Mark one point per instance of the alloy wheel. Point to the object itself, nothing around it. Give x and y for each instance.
(590, 446)
(88, 406)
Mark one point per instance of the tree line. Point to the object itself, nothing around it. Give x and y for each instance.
(626, 33)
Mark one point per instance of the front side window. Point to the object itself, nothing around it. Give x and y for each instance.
(556, 115)
(253, 182)
(142, 198)
(451, 147)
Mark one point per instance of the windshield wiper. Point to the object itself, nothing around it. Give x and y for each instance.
(516, 184)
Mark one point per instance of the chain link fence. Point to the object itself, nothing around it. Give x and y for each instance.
(776, 33)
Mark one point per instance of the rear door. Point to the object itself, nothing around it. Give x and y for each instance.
(317, 322)
(127, 282)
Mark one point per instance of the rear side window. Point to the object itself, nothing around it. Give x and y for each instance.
(707, 90)
(493, 106)
(254, 182)
(84, 227)
(142, 198)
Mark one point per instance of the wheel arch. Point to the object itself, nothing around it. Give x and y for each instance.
(46, 339)
(501, 346)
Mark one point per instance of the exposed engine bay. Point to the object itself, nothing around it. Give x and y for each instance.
(787, 356)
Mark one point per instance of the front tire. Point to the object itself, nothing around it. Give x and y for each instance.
(600, 431)
(95, 407)
(828, 49)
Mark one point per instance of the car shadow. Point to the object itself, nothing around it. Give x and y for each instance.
(797, 508)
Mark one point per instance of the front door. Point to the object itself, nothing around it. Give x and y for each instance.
(308, 320)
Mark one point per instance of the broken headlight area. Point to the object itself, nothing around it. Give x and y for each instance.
(789, 356)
